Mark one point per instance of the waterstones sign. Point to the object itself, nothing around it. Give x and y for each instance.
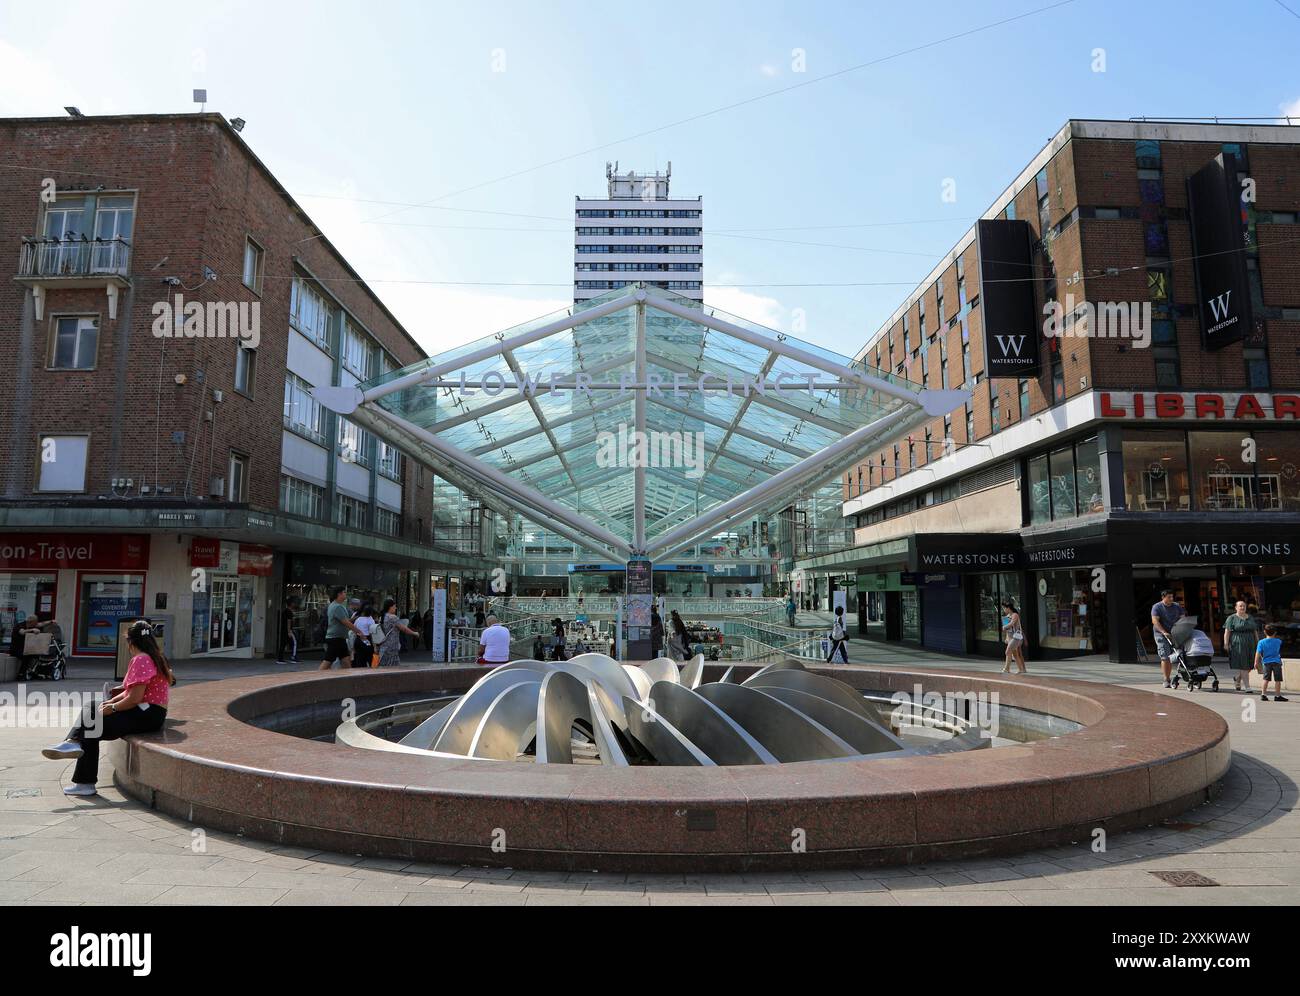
(1007, 305)
(1203, 406)
(1214, 201)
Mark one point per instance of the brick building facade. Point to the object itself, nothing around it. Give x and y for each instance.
(1152, 462)
(190, 452)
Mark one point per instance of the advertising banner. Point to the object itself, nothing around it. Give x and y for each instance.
(1007, 301)
(1218, 245)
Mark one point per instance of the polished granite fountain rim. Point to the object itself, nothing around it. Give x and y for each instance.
(1139, 757)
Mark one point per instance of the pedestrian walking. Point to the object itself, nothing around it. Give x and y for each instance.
(288, 637)
(790, 610)
(1015, 637)
(387, 635)
(839, 637)
(679, 644)
(363, 650)
(1164, 614)
(338, 625)
(1240, 636)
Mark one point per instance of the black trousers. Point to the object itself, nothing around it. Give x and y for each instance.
(113, 727)
(840, 646)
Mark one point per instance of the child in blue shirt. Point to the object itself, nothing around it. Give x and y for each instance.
(1268, 659)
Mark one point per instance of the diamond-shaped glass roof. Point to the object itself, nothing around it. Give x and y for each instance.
(566, 443)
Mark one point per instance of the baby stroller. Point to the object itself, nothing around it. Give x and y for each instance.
(1183, 670)
(43, 658)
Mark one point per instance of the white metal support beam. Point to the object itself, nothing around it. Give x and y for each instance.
(638, 472)
(784, 481)
(488, 476)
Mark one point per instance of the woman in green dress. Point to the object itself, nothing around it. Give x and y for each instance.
(1240, 634)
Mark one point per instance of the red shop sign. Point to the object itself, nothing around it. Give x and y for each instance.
(254, 559)
(85, 551)
(1208, 405)
(205, 552)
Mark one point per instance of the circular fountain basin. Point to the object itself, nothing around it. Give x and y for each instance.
(239, 756)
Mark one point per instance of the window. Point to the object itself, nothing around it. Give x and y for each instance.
(114, 220)
(76, 343)
(970, 424)
(965, 362)
(1040, 493)
(1024, 398)
(253, 256)
(1279, 470)
(1060, 464)
(1222, 479)
(353, 443)
(350, 512)
(388, 522)
(1087, 473)
(943, 363)
(995, 413)
(237, 478)
(1155, 470)
(245, 366)
(62, 465)
(310, 313)
(389, 461)
(356, 352)
(301, 498)
(302, 413)
(1256, 367)
(1069, 616)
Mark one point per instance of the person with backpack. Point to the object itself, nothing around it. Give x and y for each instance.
(839, 637)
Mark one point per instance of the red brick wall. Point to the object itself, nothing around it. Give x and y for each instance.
(199, 195)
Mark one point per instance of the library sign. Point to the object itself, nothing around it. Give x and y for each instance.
(1198, 406)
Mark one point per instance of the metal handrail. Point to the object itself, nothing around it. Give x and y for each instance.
(74, 257)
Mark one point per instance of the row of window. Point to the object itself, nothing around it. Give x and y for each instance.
(302, 498)
(694, 250)
(643, 213)
(638, 267)
(614, 284)
(634, 230)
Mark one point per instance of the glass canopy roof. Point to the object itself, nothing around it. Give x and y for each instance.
(571, 434)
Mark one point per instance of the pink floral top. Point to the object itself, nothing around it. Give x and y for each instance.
(143, 671)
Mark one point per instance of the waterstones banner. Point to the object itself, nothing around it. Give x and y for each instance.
(1007, 302)
(1223, 289)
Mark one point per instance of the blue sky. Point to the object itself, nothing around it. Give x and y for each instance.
(401, 102)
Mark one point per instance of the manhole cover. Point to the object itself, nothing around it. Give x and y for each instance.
(21, 793)
(1185, 879)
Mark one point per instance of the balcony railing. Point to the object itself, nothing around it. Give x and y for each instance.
(76, 257)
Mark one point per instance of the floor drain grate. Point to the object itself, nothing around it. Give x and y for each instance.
(21, 793)
(1185, 879)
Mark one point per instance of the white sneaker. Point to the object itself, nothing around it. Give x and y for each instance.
(69, 750)
(78, 789)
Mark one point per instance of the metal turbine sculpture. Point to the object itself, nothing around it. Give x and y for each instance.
(594, 709)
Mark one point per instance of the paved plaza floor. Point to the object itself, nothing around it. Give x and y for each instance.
(111, 850)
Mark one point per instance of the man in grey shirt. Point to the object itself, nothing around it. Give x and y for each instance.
(1164, 614)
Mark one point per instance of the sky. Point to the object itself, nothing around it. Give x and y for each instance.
(439, 146)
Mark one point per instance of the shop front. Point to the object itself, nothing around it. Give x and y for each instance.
(1210, 567)
(309, 579)
(85, 582)
(227, 583)
(1069, 585)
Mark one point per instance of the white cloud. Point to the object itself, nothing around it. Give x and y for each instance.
(767, 69)
(742, 303)
(1291, 108)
